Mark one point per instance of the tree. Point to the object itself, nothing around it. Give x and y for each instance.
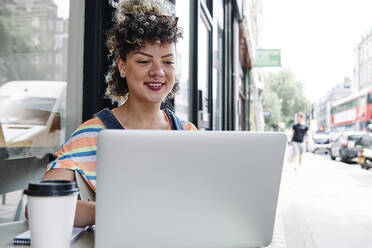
(284, 97)
(271, 105)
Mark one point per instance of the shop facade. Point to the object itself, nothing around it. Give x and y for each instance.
(214, 63)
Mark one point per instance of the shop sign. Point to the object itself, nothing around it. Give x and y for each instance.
(267, 58)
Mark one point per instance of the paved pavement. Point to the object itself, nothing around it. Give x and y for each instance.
(324, 204)
(7, 211)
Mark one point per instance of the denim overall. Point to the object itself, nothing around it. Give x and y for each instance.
(110, 121)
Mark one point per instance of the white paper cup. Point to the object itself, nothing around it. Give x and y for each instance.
(51, 211)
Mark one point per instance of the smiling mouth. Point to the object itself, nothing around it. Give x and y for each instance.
(155, 86)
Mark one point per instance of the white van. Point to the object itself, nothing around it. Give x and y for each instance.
(31, 115)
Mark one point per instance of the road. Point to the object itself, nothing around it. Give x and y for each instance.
(324, 204)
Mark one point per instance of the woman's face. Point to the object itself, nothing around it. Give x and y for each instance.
(149, 72)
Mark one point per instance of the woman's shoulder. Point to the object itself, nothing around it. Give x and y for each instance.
(189, 126)
(92, 125)
(186, 125)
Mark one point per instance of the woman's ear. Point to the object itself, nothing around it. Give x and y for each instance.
(121, 67)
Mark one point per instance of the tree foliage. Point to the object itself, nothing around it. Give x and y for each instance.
(284, 96)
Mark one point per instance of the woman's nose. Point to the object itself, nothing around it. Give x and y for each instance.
(156, 70)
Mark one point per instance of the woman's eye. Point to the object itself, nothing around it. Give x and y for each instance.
(169, 62)
(143, 62)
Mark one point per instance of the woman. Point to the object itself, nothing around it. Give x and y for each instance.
(142, 74)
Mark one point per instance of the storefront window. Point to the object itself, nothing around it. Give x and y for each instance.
(218, 65)
(204, 52)
(182, 99)
(33, 55)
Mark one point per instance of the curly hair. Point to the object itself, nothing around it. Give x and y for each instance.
(137, 22)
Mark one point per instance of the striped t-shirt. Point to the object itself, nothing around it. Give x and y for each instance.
(79, 151)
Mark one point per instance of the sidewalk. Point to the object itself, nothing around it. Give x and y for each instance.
(7, 211)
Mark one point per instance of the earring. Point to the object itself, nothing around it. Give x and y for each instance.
(122, 74)
(125, 98)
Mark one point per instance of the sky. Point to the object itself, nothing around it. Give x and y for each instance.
(62, 8)
(317, 38)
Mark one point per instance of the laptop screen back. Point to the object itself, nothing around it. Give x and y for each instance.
(187, 189)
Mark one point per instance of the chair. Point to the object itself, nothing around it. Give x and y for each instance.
(3, 148)
(16, 173)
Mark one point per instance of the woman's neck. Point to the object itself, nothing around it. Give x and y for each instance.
(139, 115)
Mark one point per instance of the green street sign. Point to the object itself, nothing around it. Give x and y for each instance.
(267, 58)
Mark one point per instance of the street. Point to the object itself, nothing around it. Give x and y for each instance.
(324, 204)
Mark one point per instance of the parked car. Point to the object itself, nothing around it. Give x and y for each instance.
(334, 136)
(320, 142)
(344, 147)
(30, 117)
(364, 146)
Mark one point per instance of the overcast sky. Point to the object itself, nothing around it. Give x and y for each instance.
(63, 8)
(317, 38)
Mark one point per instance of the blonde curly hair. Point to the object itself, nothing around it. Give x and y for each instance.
(135, 23)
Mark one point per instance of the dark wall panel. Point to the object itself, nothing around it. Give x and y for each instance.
(98, 16)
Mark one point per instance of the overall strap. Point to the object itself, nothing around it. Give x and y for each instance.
(108, 119)
(176, 123)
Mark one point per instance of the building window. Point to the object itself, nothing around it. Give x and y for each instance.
(59, 26)
(35, 39)
(204, 69)
(366, 75)
(360, 55)
(361, 76)
(36, 22)
(182, 99)
(59, 59)
(365, 52)
(218, 65)
(58, 44)
(37, 59)
(50, 25)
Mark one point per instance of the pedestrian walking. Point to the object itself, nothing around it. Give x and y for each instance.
(299, 131)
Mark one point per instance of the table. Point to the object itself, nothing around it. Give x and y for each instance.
(10, 230)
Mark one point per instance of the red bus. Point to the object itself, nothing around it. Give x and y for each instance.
(352, 113)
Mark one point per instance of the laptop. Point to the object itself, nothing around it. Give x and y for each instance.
(177, 189)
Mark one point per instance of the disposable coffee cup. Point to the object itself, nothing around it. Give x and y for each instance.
(51, 211)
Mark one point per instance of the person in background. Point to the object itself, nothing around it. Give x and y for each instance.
(299, 132)
(141, 76)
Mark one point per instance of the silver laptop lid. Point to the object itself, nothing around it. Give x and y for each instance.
(187, 189)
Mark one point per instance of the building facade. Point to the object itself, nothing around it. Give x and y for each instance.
(323, 113)
(43, 41)
(254, 20)
(364, 61)
(337, 93)
(216, 59)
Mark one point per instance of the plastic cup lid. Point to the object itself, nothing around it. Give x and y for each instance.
(52, 188)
